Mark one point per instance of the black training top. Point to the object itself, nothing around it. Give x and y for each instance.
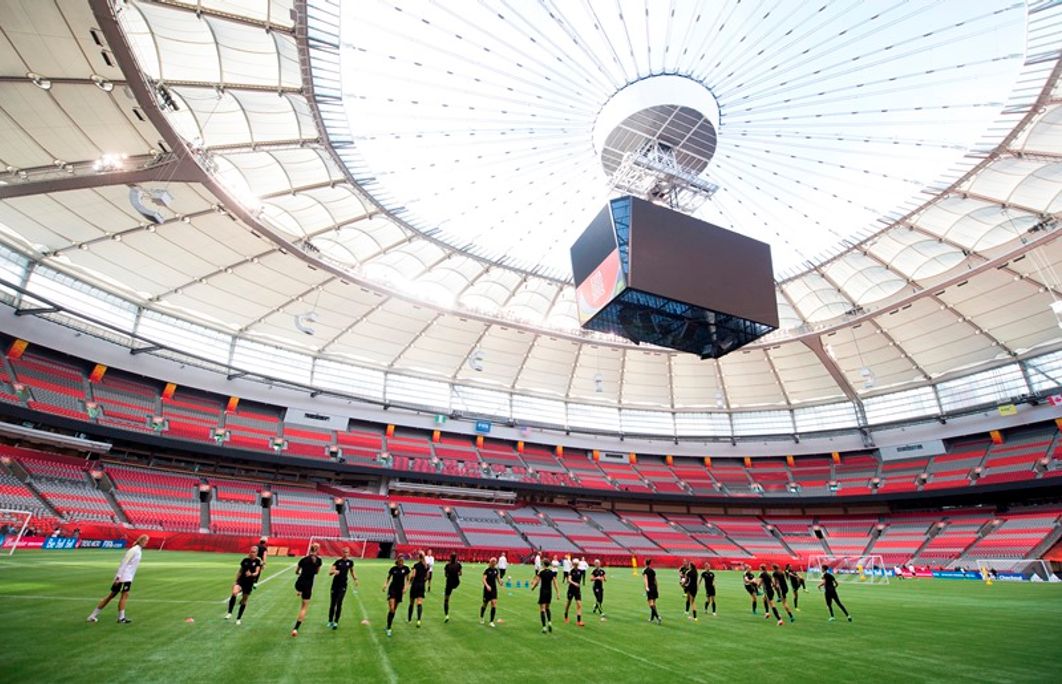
(262, 549)
(650, 578)
(830, 582)
(545, 578)
(342, 566)
(691, 579)
(491, 574)
(765, 581)
(779, 580)
(396, 578)
(597, 575)
(575, 576)
(749, 577)
(308, 567)
(248, 567)
(709, 579)
(452, 571)
(420, 572)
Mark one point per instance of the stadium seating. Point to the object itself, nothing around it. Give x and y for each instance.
(75, 500)
(229, 517)
(368, 518)
(15, 495)
(426, 524)
(484, 528)
(303, 513)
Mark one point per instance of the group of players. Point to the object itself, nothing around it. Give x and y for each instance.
(773, 585)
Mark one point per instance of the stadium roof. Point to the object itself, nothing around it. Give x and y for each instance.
(415, 175)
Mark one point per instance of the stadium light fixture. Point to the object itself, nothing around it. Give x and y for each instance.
(39, 81)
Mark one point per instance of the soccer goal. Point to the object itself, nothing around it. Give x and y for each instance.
(333, 546)
(849, 569)
(1007, 569)
(14, 519)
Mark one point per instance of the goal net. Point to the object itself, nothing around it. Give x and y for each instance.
(13, 525)
(1007, 569)
(333, 546)
(849, 569)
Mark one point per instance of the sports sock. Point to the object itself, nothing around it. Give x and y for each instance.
(482, 610)
(409, 613)
(694, 612)
(446, 606)
(687, 603)
(339, 609)
(578, 617)
(566, 613)
(121, 614)
(95, 612)
(232, 603)
(789, 613)
(492, 612)
(775, 611)
(542, 616)
(390, 618)
(243, 607)
(298, 623)
(796, 600)
(420, 610)
(549, 615)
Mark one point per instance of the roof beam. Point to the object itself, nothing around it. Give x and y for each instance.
(993, 200)
(81, 175)
(200, 11)
(777, 377)
(817, 348)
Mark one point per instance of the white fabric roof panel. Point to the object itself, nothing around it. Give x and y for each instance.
(749, 380)
(802, 375)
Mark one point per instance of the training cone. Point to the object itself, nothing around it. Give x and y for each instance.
(364, 622)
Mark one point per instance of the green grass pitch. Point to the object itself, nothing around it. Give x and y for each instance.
(910, 631)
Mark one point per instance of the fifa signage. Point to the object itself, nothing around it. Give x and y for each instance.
(102, 544)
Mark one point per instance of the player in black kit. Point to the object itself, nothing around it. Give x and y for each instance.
(452, 570)
(750, 585)
(263, 551)
(575, 593)
(766, 583)
(651, 592)
(490, 591)
(781, 587)
(546, 581)
(690, 582)
(418, 582)
(829, 584)
(306, 571)
(708, 577)
(246, 578)
(341, 569)
(796, 582)
(395, 585)
(597, 583)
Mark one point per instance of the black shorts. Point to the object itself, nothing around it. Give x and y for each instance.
(768, 593)
(304, 589)
(652, 595)
(783, 592)
(450, 586)
(120, 586)
(501, 572)
(416, 591)
(796, 587)
(709, 592)
(490, 594)
(831, 595)
(575, 593)
(692, 591)
(599, 591)
(395, 595)
(545, 598)
(339, 590)
(751, 588)
(246, 586)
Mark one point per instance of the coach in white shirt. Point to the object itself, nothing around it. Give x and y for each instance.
(503, 565)
(123, 581)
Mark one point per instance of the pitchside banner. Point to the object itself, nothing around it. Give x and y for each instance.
(102, 544)
(59, 543)
(929, 447)
(24, 543)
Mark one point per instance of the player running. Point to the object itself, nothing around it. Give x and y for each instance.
(395, 586)
(123, 582)
(575, 593)
(452, 570)
(651, 592)
(342, 567)
(597, 583)
(263, 551)
(417, 582)
(766, 584)
(781, 587)
(246, 579)
(546, 581)
(750, 585)
(796, 582)
(690, 583)
(490, 591)
(708, 577)
(829, 584)
(306, 570)
(429, 560)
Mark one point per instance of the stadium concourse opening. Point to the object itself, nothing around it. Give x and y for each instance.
(301, 378)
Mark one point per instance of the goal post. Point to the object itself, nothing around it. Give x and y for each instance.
(869, 569)
(16, 519)
(1007, 569)
(333, 546)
